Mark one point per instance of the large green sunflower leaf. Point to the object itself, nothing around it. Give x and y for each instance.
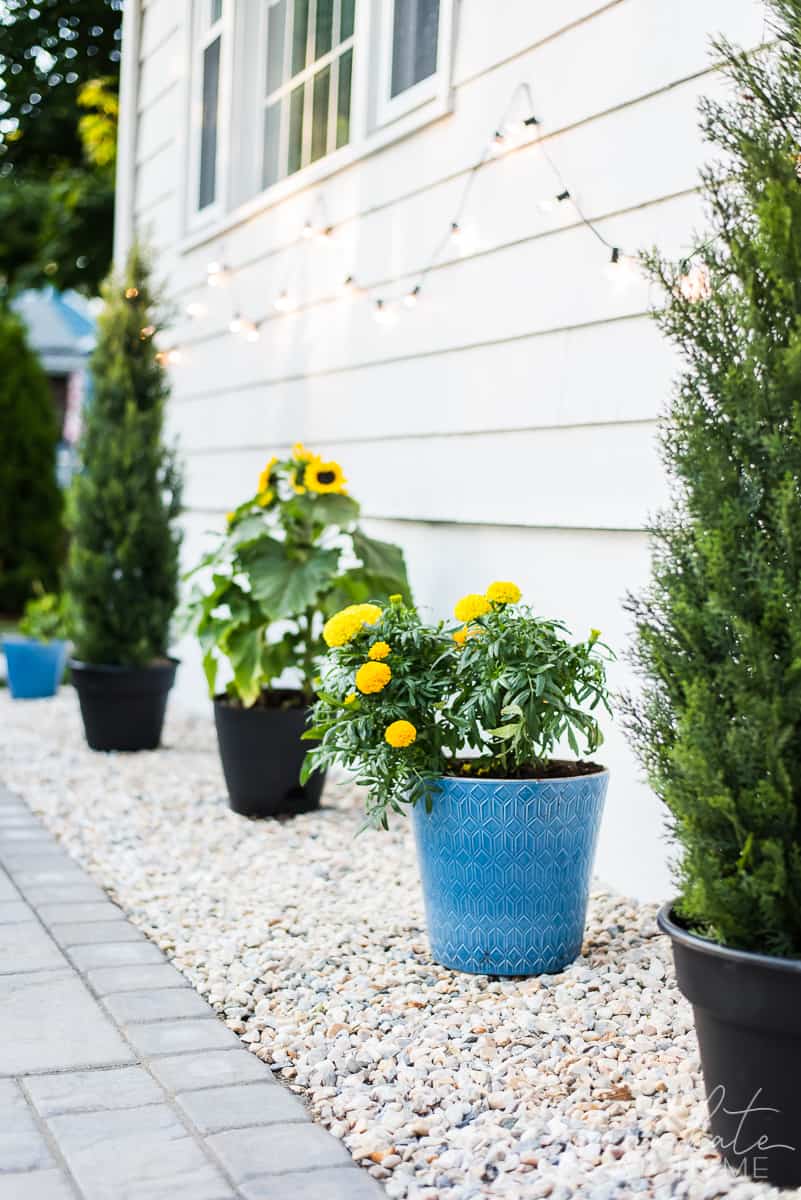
(332, 508)
(286, 586)
(383, 568)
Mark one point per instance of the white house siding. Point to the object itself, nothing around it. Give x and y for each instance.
(505, 427)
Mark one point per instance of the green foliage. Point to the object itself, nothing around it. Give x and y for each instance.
(57, 162)
(31, 535)
(291, 554)
(124, 501)
(45, 617)
(502, 690)
(718, 632)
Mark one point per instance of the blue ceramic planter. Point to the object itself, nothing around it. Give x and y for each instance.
(505, 867)
(34, 668)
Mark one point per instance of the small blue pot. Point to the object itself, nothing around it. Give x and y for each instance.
(34, 668)
(505, 866)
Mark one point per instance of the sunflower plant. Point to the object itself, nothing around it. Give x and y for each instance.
(292, 554)
(404, 702)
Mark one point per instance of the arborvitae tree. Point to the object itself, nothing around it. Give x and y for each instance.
(123, 564)
(31, 533)
(718, 634)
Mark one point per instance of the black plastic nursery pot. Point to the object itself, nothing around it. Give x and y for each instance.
(747, 1010)
(262, 756)
(123, 707)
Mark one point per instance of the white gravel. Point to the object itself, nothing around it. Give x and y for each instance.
(312, 946)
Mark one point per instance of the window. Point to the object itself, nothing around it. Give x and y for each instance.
(415, 36)
(308, 79)
(209, 42)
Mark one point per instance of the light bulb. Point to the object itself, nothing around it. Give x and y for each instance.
(250, 331)
(146, 332)
(456, 230)
(215, 274)
(283, 301)
(235, 325)
(131, 293)
(175, 357)
(549, 203)
(411, 297)
(308, 230)
(695, 284)
(196, 309)
(348, 285)
(499, 142)
(381, 312)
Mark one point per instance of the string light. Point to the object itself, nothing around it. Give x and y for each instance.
(549, 203)
(382, 313)
(146, 332)
(283, 302)
(169, 358)
(511, 131)
(216, 274)
(695, 283)
(196, 310)
(131, 293)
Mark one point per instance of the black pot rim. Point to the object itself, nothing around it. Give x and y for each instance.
(77, 664)
(222, 700)
(668, 923)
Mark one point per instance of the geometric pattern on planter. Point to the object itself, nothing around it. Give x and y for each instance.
(505, 866)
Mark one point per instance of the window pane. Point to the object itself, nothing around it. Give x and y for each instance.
(215, 11)
(276, 29)
(322, 82)
(300, 29)
(343, 98)
(324, 26)
(414, 46)
(271, 171)
(346, 19)
(208, 132)
(295, 156)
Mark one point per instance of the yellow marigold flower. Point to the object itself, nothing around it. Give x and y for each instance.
(324, 477)
(460, 636)
(594, 635)
(395, 598)
(300, 453)
(344, 625)
(503, 592)
(372, 677)
(351, 696)
(264, 478)
(379, 650)
(470, 607)
(400, 734)
(265, 499)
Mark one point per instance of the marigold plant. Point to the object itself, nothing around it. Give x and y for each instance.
(404, 702)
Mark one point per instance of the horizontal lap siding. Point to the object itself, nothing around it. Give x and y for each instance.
(506, 427)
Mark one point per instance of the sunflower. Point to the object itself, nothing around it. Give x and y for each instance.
(230, 517)
(378, 650)
(324, 477)
(264, 478)
(400, 734)
(470, 607)
(373, 677)
(344, 625)
(503, 592)
(265, 498)
(301, 454)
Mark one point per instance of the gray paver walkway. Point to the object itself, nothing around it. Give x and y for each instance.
(117, 1081)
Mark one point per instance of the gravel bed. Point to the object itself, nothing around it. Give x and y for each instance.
(311, 945)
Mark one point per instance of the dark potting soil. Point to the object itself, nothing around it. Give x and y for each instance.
(554, 768)
(282, 698)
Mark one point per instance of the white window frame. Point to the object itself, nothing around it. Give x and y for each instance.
(374, 124)
(390, 108)
(201, 37)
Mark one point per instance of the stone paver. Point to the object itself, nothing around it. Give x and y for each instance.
(214, 1110)
(25, 947)
(117, 1081)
